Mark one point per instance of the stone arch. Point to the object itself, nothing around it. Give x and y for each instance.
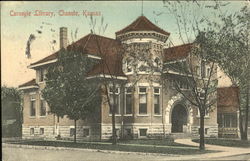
(175, 100)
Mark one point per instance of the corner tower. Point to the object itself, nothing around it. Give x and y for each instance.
(142, 61)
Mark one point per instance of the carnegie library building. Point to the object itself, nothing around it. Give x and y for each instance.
(148, 111)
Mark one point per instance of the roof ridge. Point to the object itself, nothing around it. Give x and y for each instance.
(179, 46)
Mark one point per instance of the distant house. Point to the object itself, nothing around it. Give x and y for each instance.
(144, 111)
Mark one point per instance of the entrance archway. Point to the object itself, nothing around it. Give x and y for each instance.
(178, 118)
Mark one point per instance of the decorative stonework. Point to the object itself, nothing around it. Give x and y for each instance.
(174, 101)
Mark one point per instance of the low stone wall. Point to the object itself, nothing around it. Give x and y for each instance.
(152, 131)
(210, 131)
(50, 132)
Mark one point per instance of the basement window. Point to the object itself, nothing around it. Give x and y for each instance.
(143, 132)
(85, 132)
(32, 131)
(72, 131)
(41, 131)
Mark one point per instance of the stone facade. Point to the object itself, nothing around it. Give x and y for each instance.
(154, 106)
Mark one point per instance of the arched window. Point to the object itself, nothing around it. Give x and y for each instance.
(157, 62)
(128, 65)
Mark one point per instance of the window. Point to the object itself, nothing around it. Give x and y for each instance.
(32, 131)
(128, 133)
(208, 72)
(227, 120)
(157, 101)
(42, 107)
(72, 131)
(197, 71)
(142, 100)
(128, 109)
(33, 105)
(206, 131)
(143, 132)
(41, 75)
(114, 97)
(85, 132)
(41, 131)
(157, 63)
(128, 65)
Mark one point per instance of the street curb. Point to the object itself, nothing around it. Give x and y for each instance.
(80, 149)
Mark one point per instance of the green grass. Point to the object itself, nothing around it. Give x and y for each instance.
(226, 142)
(130, 146)
(166, 142)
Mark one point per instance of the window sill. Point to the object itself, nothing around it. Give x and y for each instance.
(157, 115)
(32, 117)
(42, 116)
(115, 115)
(41, 82)
(127, 115)
(143, 115)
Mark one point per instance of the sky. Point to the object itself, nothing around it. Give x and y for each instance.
(16, 28)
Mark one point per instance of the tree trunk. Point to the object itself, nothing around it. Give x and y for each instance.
(114, 140)
(113, 126)
(58, 127)
(244, 137)
(240, 118)
(202, 139)
(75, 132)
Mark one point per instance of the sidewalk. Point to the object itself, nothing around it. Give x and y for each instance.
(225, 151)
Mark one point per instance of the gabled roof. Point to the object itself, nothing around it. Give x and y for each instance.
(89, 44)
(227, 96)
(177, 52)
(29, 83)
(111, 65)
(142, 24)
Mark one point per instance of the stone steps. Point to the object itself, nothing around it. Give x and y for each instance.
(179, 135)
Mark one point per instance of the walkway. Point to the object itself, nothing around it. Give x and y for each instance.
(225, 151)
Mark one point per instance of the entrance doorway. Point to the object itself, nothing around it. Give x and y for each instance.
(178, 118)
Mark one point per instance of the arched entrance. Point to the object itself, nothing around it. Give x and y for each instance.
(178, 118)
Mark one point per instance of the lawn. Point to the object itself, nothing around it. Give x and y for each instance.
(128, 146)
(226, 142)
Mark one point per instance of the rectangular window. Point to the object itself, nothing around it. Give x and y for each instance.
(72, 131)
(41, 131)
(156, 101)
(142, 100)
(208, 72)
(198, 70)
(143, 132)
(85, 132)
(128, 133)
(42, 107)
(32, 131)
(206, 131)
(128, 109)
(230, 120)
(33, 105)
(114, 99)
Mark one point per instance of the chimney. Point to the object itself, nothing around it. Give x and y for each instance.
(63, 37)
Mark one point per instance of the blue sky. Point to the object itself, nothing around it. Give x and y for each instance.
(15, 30)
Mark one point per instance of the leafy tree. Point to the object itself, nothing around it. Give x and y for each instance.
(232, 40)
(198, 30)
(11, 109)
(67, 90)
